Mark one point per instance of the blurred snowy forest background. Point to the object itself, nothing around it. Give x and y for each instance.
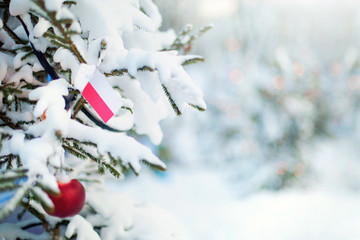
(276, 155)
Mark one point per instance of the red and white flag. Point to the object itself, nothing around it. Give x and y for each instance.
(97, 91)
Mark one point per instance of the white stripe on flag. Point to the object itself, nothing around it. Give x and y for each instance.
(84, 74)
(96, 89)
(106, 92)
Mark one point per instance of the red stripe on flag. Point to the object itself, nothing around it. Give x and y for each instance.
(97, 102)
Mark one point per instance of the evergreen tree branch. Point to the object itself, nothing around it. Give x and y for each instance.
(58, 24)
(11, 205)
(197, 107)
(129, 109)
(60, 44)
(102, 164)
(36, 213)
(14, 174)
(13, 35)
(21, 214)
(31, 225)
(117, 162)
(71, 32)
(122, 71)
(76, 141)
(50, 35)
(69, 3)
(199, 33)
(117, 72)
(29, 54)
(77, 150)
(78, 106)
(72, 151)
(25, 48)
(8, 121)
(144, 161)
(112, 170)
(4, 5)
(39, 14)
(10, 89)
(171, 100)
(37, 195)
(24, 123)
(178, 41)
(7, 186)
(26, 100)
(9, 31)
(133, 169)
(184, 41)
(146, 68)
(193, 60)
(7, 51)
(66, 39)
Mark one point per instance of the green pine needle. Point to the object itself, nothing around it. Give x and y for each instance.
(197, 107)
(153, 166)
(11, 205)
(117, 72)
(112, 170)
(41, 197)
(101, 169)
(65, 21)
(60, 44)
(69, 3)
(129, 109)
(193, 60)
(8, 186)
(52, 36)
(73, 152)
(171, 100)
(27, 55)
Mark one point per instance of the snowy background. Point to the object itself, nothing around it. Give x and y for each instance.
(275, 156)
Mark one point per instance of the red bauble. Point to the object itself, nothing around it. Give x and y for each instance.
(70, 201)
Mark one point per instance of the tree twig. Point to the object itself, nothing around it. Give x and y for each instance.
(8, 121)
(37, 214)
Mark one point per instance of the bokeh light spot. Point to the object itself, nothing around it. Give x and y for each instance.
(236, 76)
(353, 82)
(281, 168)
(298, 69)
(299, 169)
(232, 44)
(279, 82)
(335, 68)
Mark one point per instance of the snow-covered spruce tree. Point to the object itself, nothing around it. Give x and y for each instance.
(51, 53)
(272, 99)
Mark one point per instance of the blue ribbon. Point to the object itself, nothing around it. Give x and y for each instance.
(48, 79)
(52, 75)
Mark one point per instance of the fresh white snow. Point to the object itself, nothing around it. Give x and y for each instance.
(209, 205)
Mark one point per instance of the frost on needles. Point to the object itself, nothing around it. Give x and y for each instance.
(44, 133)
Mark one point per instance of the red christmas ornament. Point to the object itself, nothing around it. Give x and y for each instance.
(70, 201)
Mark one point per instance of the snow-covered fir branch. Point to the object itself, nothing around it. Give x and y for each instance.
(50, 134)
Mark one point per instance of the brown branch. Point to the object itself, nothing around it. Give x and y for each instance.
(31, 225)
(78, 106)
(68, 40)
(8, 121)
(57, 24)
(55, 232)
(13, 35)
(37, 214)
(7, 50)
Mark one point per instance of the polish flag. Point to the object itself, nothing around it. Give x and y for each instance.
(97, 91)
